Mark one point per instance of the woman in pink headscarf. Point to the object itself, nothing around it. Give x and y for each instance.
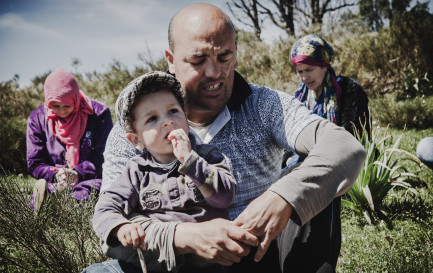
(65, 140)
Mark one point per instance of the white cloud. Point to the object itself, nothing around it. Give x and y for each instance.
(14, 23)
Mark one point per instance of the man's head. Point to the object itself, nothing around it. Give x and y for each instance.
(202, 56)
(149, 108)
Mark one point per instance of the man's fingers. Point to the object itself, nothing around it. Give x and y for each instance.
(239, 234)
(262, 248)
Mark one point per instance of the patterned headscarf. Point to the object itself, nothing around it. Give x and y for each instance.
(314, 50)
(61, 87)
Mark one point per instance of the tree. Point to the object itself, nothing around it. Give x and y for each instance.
(319, 8)
(284, 17)
(282, 13)
(248, 7)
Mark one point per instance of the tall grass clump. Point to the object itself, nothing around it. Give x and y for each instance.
(59, 239)
(381, 173)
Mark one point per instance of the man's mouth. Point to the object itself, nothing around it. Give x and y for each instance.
(213, 87)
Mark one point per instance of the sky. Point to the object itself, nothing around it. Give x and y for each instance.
(37, 36)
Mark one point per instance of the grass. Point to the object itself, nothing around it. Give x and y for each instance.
(406, 246)
(59, 239)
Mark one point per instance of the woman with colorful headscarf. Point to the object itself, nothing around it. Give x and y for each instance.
(340, 100)
(65, 140)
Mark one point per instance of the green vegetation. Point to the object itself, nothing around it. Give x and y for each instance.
(59, 239)
(405, 243)
(381, 173)
(394, 67)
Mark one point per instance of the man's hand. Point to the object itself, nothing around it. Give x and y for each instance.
(181, 144)
(130, 235)
(218, 241)
(265, 217)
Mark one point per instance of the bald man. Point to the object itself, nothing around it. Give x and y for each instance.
(253, 126)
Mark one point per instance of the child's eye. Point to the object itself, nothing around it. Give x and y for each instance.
(173, 111)
(151, 119)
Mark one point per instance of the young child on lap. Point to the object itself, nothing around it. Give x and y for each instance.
(175, 179)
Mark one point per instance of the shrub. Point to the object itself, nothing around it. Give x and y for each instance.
(381, 172)
(59, 239)
(409, 113)
(15, 106)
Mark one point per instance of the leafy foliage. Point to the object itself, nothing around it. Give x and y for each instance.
(381, 173)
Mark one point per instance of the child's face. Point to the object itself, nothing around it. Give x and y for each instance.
(156, 115)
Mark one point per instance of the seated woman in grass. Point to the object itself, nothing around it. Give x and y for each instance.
(65, 140)
(340, 100)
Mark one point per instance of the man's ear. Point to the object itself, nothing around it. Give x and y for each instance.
(133, 139)
(169, 57)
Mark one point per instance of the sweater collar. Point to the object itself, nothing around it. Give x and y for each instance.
(241, 91)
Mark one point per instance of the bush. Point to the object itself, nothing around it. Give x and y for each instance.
(15, 106)
(409, 113)
(381, 173)
(264, 64)
(59, 239)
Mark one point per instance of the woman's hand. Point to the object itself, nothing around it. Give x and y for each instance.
(68, 177)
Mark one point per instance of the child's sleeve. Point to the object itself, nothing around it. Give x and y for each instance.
(210, 170)
(115, 204)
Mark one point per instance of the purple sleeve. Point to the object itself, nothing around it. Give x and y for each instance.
(116, 203)
(99, 125)
(211, 174)
(39, 161)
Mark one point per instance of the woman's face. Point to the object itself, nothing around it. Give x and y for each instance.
(312, 76)
(61, 110)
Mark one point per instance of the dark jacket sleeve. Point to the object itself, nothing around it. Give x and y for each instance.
(99, 124)
(354, 106)
(39, 162)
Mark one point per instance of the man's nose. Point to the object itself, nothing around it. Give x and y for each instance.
(213, 70)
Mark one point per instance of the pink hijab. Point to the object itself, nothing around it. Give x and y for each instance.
(61, 87)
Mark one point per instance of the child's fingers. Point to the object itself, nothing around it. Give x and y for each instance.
(126, 239)
(178, 134)
(136, 234)
(142, 235)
